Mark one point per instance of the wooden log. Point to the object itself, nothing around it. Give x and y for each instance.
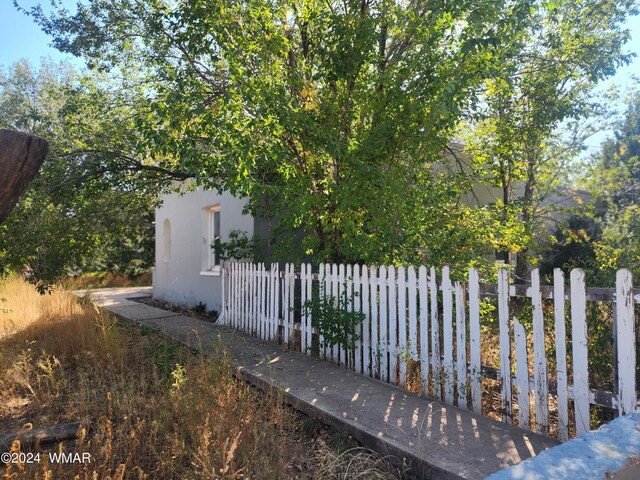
(57, 433)
(20, 158)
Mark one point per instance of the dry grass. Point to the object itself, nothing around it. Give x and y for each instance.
(105, 280)
(149, 408)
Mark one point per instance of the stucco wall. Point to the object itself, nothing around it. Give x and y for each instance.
(179, 275)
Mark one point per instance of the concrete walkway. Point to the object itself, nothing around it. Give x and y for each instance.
(433, 439)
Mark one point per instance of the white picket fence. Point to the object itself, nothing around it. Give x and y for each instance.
(413, 319)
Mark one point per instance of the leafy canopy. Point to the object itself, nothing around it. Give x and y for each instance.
(332, 117)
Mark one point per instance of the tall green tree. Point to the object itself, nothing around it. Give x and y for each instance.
(614, 181)
(527, 130)
(331, 116)
(85, 210)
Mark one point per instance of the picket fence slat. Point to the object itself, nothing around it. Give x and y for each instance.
(357, 299)
(366, 325)
(461, 346)
(436, 365)
(402, 325)
(447, 337)
(625, 325)
(413, 320)
(539, 358)
(474, 341)
(561, 354)
(424, 329)
(347, 359)
(393, 326)
(522, 374)
(375, 336)
(505, 344)
(579, 347)
(384, 329)
(408, 316)
(339, 350)
(304, 319)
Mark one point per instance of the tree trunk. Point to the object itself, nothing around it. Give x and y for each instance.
(20, 158)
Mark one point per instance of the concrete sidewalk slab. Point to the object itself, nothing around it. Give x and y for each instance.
(433, 439)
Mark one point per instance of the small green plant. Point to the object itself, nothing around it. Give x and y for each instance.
(336, 322)
(179, 375)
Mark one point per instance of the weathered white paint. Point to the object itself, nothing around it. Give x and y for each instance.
(393, 326)
(384, 327)
(335, 292)
(413, 316)
(447, 335)
(366, 325)
(461, 347)
(357, 306)
(305, 294)
(423, 295)
(579, 347)
(626, 337)
(505, 344)
(373, 303)
(377, 292)
(347, 359)
(402, 324)
(561, 354)
(539, 357)
(474, 341)
(522, 374)
(436, 365)
(322, 280)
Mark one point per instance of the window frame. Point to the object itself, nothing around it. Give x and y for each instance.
(211, 262)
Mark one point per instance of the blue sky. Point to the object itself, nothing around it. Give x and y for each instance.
(21, 38)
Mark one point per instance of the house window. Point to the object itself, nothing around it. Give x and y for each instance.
(211, 230)
(166, 240)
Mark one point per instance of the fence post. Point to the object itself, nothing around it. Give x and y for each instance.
(424, 329)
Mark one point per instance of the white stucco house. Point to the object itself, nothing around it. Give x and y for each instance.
(187, 270)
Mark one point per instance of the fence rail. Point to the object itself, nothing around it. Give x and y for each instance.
(428, 331)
